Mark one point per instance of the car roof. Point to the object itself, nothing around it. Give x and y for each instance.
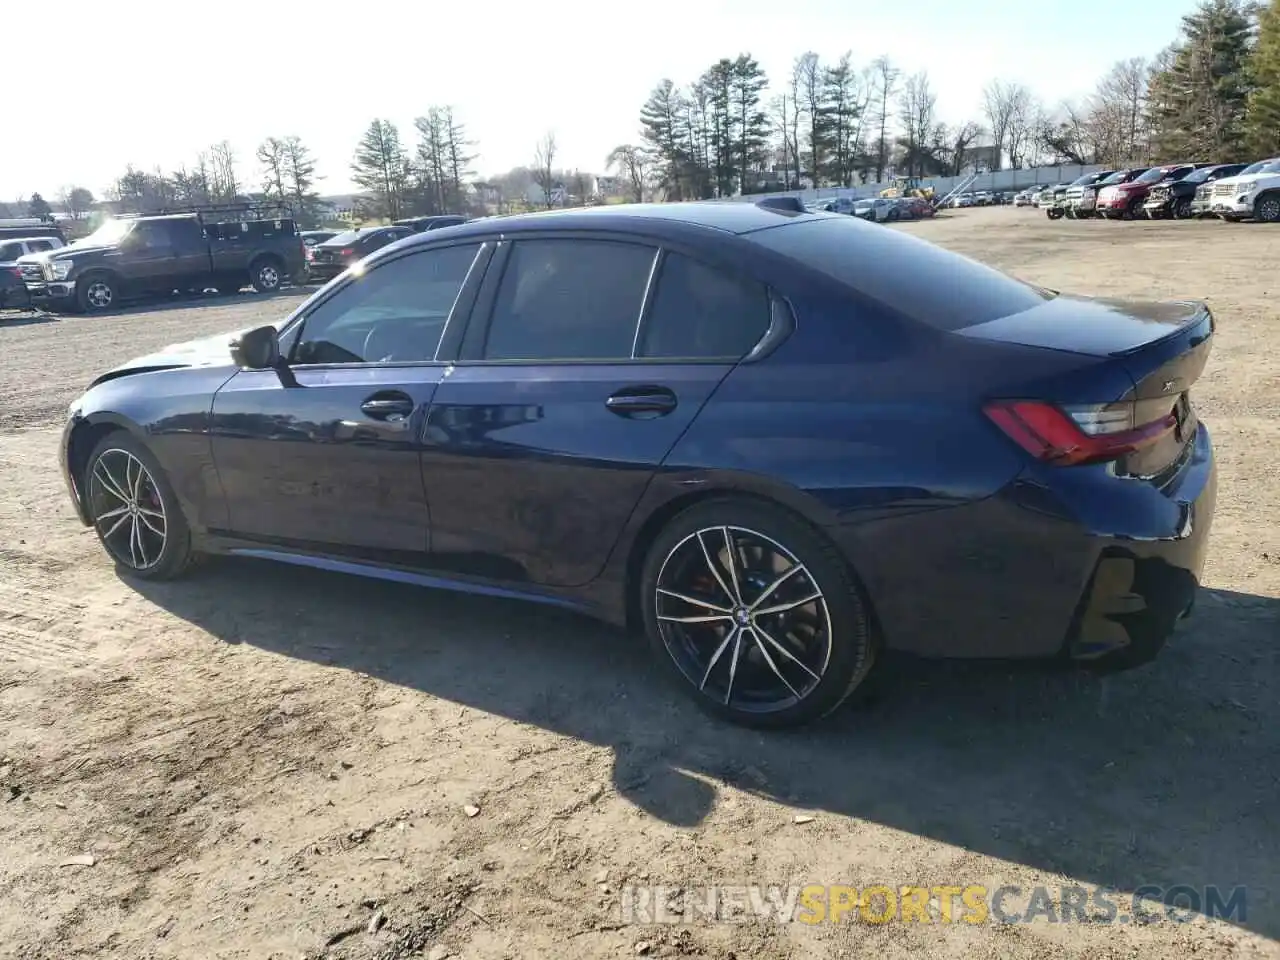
(733, 217)
(29, 239)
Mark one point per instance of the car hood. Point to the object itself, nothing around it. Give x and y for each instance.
(63, 253)
(1252, 178)
(207, 352)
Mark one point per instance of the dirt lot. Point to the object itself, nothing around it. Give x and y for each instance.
(261, 761)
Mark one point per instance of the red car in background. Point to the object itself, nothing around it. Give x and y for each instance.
(1124, 200)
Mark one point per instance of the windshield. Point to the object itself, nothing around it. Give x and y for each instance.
(1117, 177)
(1198, 176)
(1081, 181)
(1152, 175)
(1271, 166)
(107, 235)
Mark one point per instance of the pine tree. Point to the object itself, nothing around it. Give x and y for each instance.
(663, 125)
(1199, 102)
(300, 180)
(747, 85)
(381, 166)
(1263, 123)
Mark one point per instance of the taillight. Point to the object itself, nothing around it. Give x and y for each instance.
(347, 251)
(1072, 435)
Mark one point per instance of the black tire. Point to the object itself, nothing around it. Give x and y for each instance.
(97, 292)
(1132, 211)
(1054, 213)
(163, 548)
(1267, 208)
(697, 655)
(266, 274)
(1182, 209)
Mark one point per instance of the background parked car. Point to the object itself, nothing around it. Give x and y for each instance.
(1070, 197)
(1086, 203)
(13, 293)
(333, 256)
(1250, 195)
(423, 224)
(1202, 202)
(1174, 198)
(1124, 201)
(312, 239)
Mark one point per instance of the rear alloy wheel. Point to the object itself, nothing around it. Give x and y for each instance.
(134, 510)
(1267, 208)
(266, 276)
(756, 614)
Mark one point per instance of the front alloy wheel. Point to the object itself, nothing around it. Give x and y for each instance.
(757, 615)
(1267, 209)
(134, 511)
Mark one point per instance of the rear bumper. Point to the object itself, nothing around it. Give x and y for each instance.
(1063, 561)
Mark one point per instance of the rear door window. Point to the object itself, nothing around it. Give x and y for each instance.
(569, 300)
(910, 276)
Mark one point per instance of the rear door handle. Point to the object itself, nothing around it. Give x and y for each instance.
(388, 406)
(644, 401)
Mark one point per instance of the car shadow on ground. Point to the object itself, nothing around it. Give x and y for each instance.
(23, 317)
(1165, 775)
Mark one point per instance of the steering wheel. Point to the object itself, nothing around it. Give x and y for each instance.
(379, 343)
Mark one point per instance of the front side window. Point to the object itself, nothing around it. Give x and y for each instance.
(10, 251)
(395, 313)
(569, 300)
(701, 312)
(153, 234)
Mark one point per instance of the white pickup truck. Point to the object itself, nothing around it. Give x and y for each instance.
(1247, 195)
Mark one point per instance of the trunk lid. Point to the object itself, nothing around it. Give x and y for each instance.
(1148, 357)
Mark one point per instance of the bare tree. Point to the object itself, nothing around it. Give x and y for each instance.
(812, 99)
(75, 201)
(916, 109)
(791, 129)
(271, 155)
(961, 140)
(1120, 108)
(886, 87)
(223, 160)
(544, 158)
(632, 163)
(1019, 137)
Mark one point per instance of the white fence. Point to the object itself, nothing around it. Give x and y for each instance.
(1004, 180)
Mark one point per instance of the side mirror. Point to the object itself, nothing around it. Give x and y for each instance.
(258, 349)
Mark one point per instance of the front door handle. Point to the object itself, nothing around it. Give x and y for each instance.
(388, 406)
(642, 402)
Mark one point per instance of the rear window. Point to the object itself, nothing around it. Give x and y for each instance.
(917, 279)
(343, 239)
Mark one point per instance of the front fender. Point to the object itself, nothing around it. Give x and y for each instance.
(169, 412)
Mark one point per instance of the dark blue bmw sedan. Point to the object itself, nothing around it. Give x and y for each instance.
(779, 443)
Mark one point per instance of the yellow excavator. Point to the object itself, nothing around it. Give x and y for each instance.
(907, 187)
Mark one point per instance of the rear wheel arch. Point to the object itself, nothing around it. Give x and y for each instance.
(266, 260)
(661, 517)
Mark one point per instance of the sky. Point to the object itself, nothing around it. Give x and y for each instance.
(147, 82)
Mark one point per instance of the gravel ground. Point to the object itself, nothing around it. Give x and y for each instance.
(272, 762)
